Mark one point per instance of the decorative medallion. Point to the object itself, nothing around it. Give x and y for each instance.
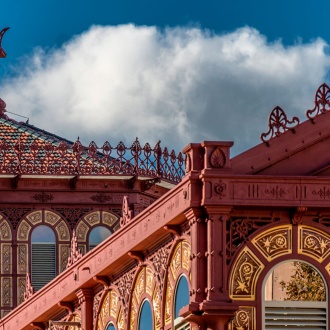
(322, 193)
(274, 242)
(101, 198)
(220, 189)
(277, 192)
(244, 319)
(218, 158)
(314, 243)
(244, 276)
(43, 197)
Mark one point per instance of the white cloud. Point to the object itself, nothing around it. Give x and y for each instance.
(179, 85)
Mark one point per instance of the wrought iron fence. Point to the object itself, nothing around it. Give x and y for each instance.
(40, 157)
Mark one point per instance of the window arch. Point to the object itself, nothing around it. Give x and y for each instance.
(181, 295)
(43, 258)
(110, 327)
(294, 292)
(145, 316)
(97, 235)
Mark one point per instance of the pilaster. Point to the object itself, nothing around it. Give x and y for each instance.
(197, 224)
(85, 298)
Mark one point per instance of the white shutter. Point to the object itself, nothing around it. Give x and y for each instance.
(292, 315)
(43, 264)
(183, 326)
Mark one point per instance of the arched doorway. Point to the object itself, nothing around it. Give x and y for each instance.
(294, 297)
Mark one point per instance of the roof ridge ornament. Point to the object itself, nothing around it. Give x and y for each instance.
(278, 123)
(75, 254)
(322, 102)
(29, 290)
(3, 107)
(3, 54)
(127, 213)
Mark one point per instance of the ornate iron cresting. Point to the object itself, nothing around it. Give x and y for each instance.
(278, 123)
(322, 102)
(2, 52)
(26, 156)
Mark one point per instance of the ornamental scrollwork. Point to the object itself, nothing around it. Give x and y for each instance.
(244, 319)
(278, 123)
(239, 229)
(245, 273)
(277, 192)
(322, 102)
(314, 243)
(274, 242)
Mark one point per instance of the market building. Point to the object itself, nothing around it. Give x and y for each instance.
(138, 237)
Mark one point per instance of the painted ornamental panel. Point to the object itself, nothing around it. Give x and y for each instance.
(244, 276)
(274, 242)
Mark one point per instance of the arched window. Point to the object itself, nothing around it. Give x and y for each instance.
(294, 295)
(43, 264)
(110, 327)
(97, 235)
(145, 317)
(181, 299)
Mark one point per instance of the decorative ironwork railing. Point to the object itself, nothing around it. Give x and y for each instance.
(40, 157)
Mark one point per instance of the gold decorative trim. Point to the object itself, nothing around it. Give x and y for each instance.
(145, 286)
(244, 319)
(63, 231)
(244, 276)
(109, 218)
(93, 218)
(35, 217)
(180, 260)
(313, 242)
(274, 242)
(23, 231)
(110, 308)
(51, 217)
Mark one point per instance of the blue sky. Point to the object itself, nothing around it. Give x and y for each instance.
(184, 70)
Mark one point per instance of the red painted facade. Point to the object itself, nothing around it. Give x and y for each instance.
(224, 227)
